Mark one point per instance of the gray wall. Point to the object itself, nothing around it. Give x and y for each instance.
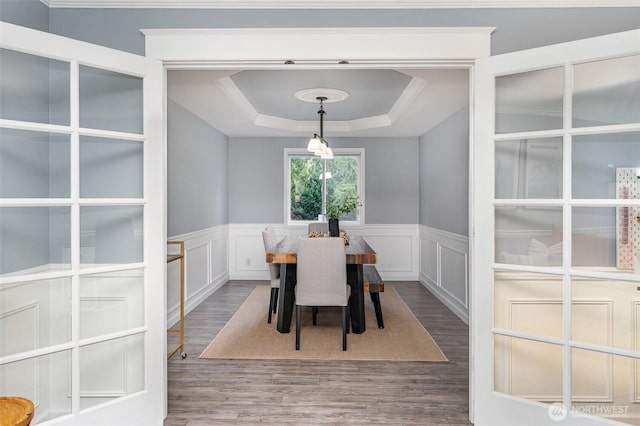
(256, 177)
(27, 13)
(197, 173)
(517, 28)
(444, 175)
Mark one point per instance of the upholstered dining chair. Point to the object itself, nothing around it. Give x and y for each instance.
(269, 238)
(322, 280)
(319, 227)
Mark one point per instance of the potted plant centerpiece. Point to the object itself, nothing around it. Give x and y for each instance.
(338, 207)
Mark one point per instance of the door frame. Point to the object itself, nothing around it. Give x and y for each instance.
(326, 48)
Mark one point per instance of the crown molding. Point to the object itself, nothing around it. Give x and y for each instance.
(407, 97)
(235, 95)
(229, 88)
(335, 4)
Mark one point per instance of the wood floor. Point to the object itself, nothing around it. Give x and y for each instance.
(224, 392)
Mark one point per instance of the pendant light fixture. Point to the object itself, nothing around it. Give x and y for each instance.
(317, 144)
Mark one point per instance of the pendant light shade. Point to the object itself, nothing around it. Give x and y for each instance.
(314, 145)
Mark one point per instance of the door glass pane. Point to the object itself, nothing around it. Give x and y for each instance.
(529, 168)
(528, 369)
(606, 166)
(111, 302)
(601, 313)
(110, 100)
(593, 239)
(110, 168)
(34, 164)
(529, 101)
(528, 236)
(607, 92)
(520, 296)
(110, 235)
(111, 369)
(33, 88)
(605, 386)
(34, 315)
(34, 239)
(45, 380)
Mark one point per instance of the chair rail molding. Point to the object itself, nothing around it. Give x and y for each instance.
(444, 268)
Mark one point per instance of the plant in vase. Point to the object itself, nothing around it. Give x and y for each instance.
(338, 207)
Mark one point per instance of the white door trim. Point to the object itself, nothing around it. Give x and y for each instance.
(325, 48)
(314, 47)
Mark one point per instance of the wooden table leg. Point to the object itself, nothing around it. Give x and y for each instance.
(354, 278)
(286, 296)
(375, 298)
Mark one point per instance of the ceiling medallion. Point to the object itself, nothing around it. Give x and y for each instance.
(329, 95)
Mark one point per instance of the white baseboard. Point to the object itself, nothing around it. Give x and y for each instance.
(461, 313)
(173, 316)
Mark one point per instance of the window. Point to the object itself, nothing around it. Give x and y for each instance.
(345, 175)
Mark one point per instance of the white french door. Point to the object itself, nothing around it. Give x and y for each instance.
(82, 235)
(556, 235)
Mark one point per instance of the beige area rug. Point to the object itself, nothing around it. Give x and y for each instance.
(248, 336)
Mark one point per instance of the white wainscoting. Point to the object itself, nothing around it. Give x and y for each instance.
(397, 247)
(444, 268)
(206, 269)
(438, 259)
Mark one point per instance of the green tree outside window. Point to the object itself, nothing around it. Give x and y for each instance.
(306, 184)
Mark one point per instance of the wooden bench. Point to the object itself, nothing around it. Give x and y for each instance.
(372, 283)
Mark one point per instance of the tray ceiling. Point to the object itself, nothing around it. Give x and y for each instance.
(393, 103)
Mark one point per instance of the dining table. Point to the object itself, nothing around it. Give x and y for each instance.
(358, 253)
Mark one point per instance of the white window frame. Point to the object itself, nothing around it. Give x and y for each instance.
(292, 152)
